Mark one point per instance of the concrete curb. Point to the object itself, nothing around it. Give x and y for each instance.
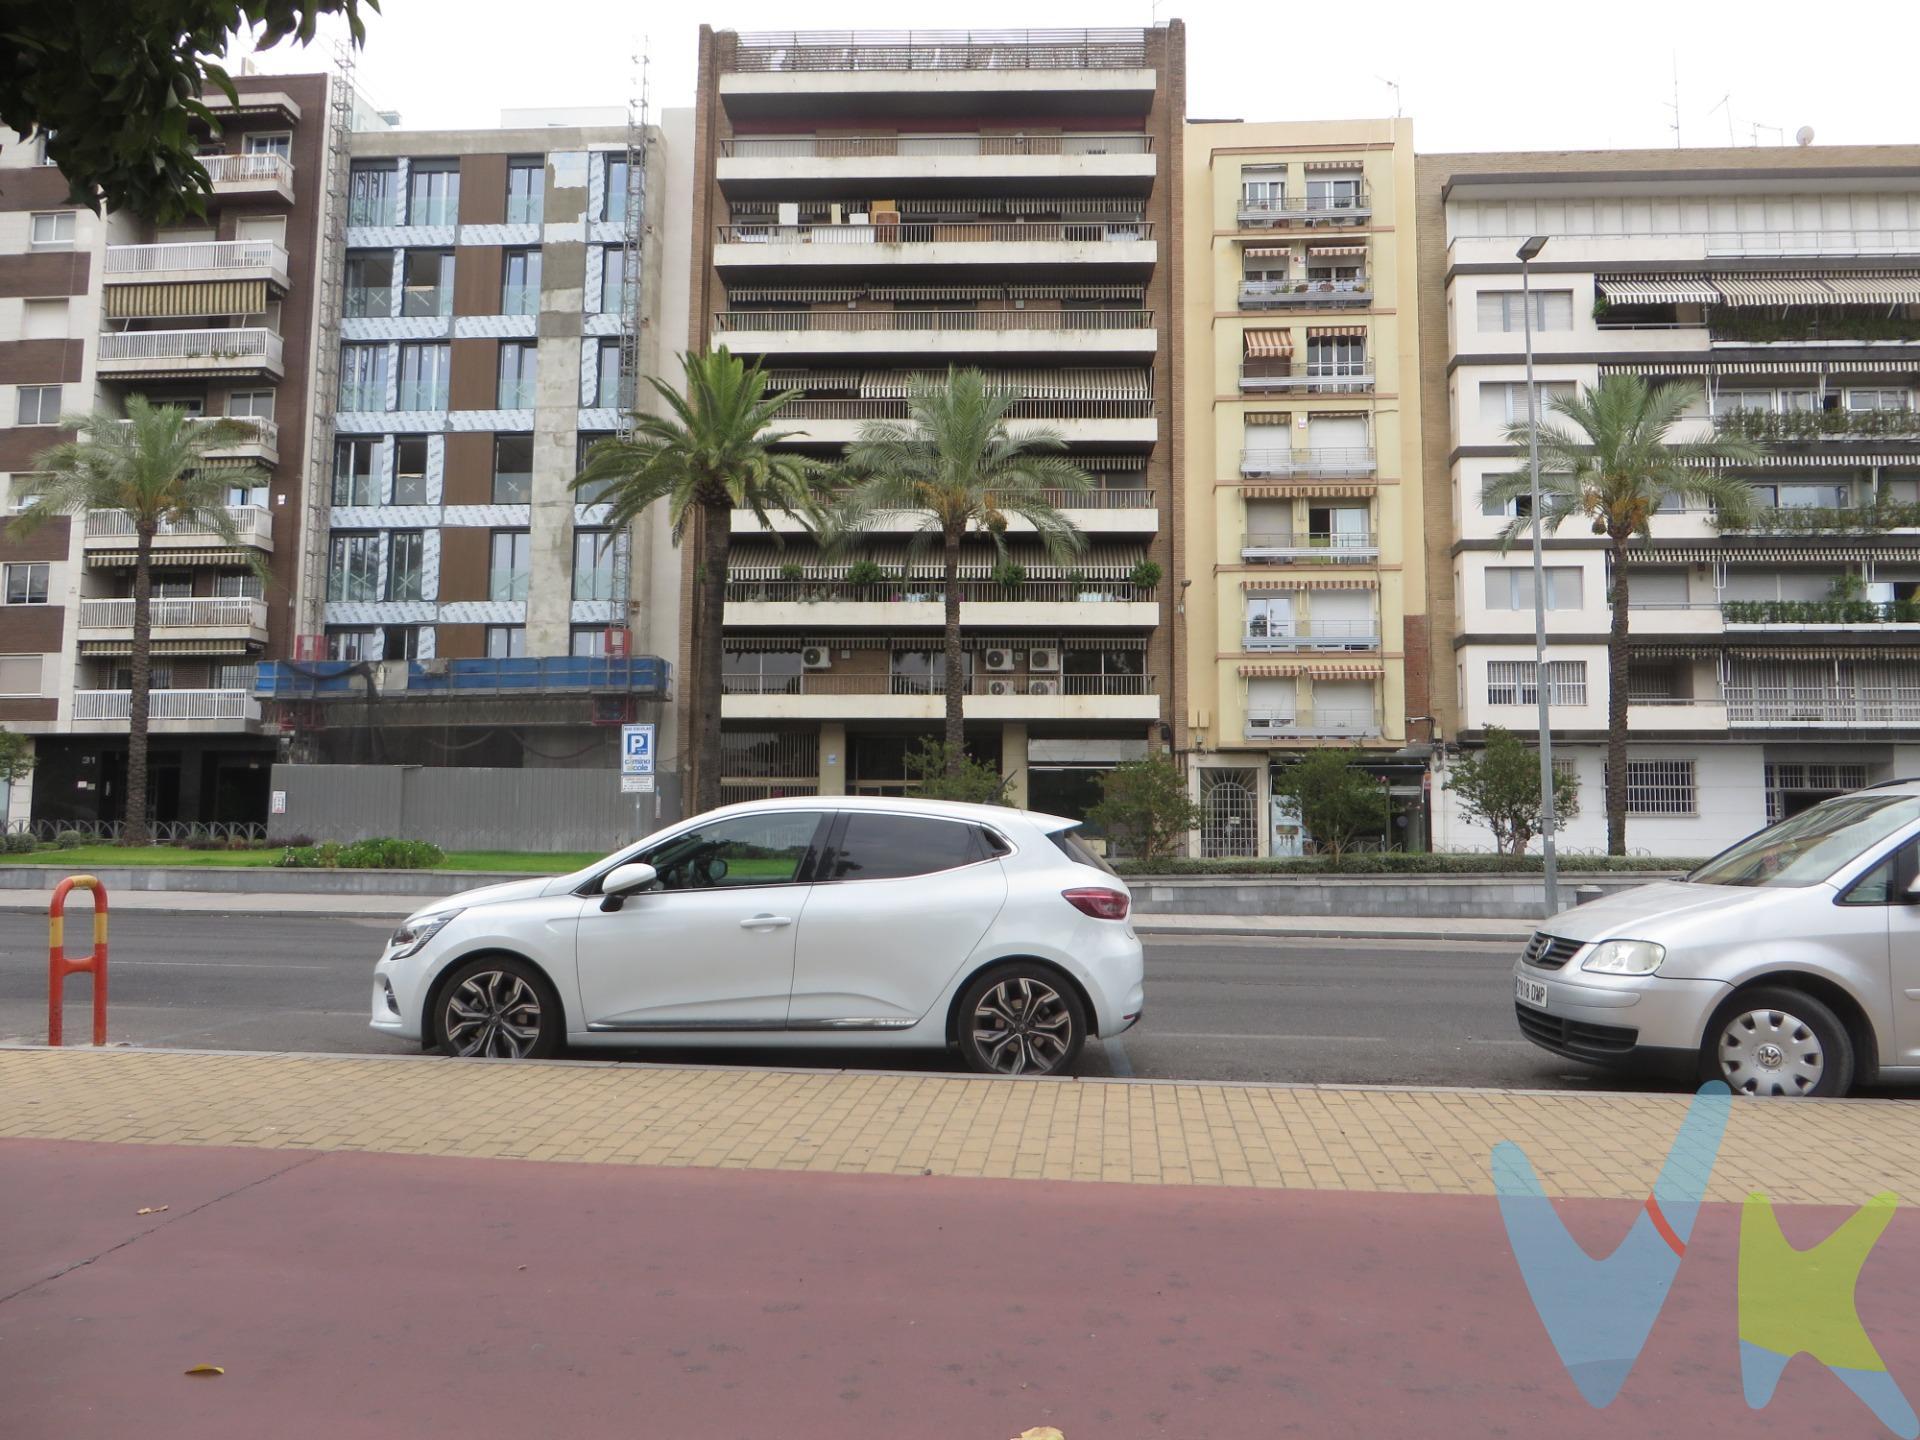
(1350, 931)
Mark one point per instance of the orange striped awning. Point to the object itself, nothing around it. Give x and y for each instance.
(1332, 489)
(1336, 332)
(1332, 165)
(1266, 252)
(1269, 344)
(162, 298)
(1309, 582)
(1330, 250)
(1312, 669)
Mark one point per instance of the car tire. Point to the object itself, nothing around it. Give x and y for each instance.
(498, 1007)
(1775, 1041)
(1020, 1019)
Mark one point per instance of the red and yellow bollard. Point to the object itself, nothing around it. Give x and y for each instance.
(59, 966)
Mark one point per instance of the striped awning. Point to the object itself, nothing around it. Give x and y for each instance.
(1309, 582)
(847, 380)
(1033, 384)
(1333, 250)
(1823, 652)
(1269, 344)
(1333, 165)
(1657, 290)
(158, 299)
(1331, 489)
(1076, 292)
(1312, 669)
(164, 558)
(1819, 365)
(1335, 332)
(1782, 289)
(1112, 463)
(1730, 550)
(1875, 287)
(1266, 252)
(806, 295)
(936, 292)
(168, 647)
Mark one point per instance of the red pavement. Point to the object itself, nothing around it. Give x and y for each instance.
(380, 1295)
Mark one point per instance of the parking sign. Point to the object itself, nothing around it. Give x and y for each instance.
(636, 749)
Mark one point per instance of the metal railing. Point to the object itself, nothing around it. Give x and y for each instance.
(741, 321)
(252, 521)
(1324, 460)
(1809, 242)
(1026, 408)
(1336, 546)
(266, 432)
(1257, 294)
(167, 705)
(1310, 206)
(1316, 635)
(981, 682)
(248, 169)
(940, 232)
(261, 255)
(835, 147)
(1862, 705)
(1312, 721)
(251, 345)
(1322, 378)
(211, 613)
(1130, 498)
(931, 591)
(800, 50)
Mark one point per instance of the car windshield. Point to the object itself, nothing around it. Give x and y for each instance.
(1813, 844)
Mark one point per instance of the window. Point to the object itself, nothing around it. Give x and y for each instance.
(1876, 887)
(43, 319)
(160, 677)
(1510, 587)
(1103, 672)
(893, 847)
(1503, 310)
(1877, 400)
(250, 405)
(353, 645)
(594, 553)
(615, 298)
(763, 672)
(924, 672)
(518, 361)
(587, 642)
(363, 377)
(39, 405)
(20, 674)
(520, 283)
(373, 193)
(433, 194)
(511, 566)
(353, 567)
(1334, 192)
(428, 283)
(1511, 682)
(1504, 402)
(526, 184)
(740, 850)
(279, 142)
(1334, 356)
(610, 393)
(51, 230)
(406, 568)
(512, 469)
(506, 642)
(26, 584)
(239, 587)
(410, 470)
(400, 642)
(583, 443)
(613, 200)
(353, 472)
(423, 376)
(1661, 787)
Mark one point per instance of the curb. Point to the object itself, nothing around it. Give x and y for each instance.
(1344, 932)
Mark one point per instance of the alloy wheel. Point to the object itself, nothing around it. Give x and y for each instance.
(493, 1013)
(1021, 1026)
(1770, 1052)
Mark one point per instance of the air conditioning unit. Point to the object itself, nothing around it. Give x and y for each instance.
(392, 675)
(817, 657)
(1002, 687)
(999, 659)
(1043, 687)
(1043, 660)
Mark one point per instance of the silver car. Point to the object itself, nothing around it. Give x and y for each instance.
(1787, 965)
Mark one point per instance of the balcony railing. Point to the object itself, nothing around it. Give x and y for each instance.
(523, 675)
(265, 169)
(803, 50)
(1322, 460)
(1316, 635)
(1345, 203)
(834, 147)
(1816, 426)
(742, 321)
(1806, 324)
(1821, 612)
(254, 522)
(941, 232)
(1297, 547)
(1834, 705)
(1309, 722)
(195, 614)
(262, 255)
(167, 705)
(1312, 377)
(250, 345)
(1026, 408)
(825, 682)
(932, 591)
(1274, 294)
(266, 433)
(1131, 498)
(1826, 519)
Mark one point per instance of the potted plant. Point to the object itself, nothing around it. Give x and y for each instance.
(1010, 575)
(1145, 577)
(863, 575)
(1078, 586)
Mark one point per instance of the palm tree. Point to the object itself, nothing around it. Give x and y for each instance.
(955, 464)
(710, 455)
(151, 466)
(1611, 465)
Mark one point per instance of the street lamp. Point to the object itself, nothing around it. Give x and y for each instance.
(1529, 249)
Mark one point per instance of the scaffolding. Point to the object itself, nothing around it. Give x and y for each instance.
(633, 236)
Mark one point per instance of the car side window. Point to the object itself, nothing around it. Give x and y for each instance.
(738, 851)
(1881, 884)
(892, 847)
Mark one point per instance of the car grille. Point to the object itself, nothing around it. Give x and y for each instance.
(1549, 952)
(1574, 1038)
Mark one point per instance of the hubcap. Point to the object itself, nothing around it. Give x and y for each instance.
(1022, 1027)
(493, 1013)
(1769, 1052)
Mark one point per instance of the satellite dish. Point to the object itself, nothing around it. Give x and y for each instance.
(1804, 135)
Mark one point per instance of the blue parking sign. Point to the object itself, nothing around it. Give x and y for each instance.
(636, 749)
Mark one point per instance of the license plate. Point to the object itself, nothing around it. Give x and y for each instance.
(1530, 992)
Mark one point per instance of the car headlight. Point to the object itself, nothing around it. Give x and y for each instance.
(1625, 957)
(416, 932)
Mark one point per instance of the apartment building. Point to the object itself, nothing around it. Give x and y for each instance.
(1773, 664)
(870, 208)
(217, 317)
(1306, 607)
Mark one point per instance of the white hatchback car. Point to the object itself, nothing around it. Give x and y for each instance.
(814, 921)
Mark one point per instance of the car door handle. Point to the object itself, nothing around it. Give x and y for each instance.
(766, 922)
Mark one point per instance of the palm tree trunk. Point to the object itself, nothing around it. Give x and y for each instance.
(956, 661)
(710, 653)
(1617, 659)
(135, 829)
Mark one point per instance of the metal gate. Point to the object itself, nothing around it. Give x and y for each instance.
(1229, 799)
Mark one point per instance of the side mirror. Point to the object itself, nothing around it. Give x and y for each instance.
(624, 880)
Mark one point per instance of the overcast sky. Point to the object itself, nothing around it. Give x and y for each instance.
(1474, 75)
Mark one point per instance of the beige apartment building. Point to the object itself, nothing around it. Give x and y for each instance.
(1304, 576)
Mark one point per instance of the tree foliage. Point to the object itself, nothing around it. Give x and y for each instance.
(1337, 801)
(117, 85)
(16, 757)
(1499, 786)
(1145, 809)
(936, 776)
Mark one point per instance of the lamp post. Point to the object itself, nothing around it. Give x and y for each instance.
(1530, 248)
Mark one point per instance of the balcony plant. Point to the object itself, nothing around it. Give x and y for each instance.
(864, 577)
(1145, 577)
(1010, 575)
(1805, 426)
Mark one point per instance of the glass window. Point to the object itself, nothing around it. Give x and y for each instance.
(738, 851)
(410, 470)
(429, 283)
(594, 554)
(892, 847)
(423, 376)
(353, 645)
(1078, 851)
(518, 363)
(1513, 682)
(614, 298)
(353, 568)
(526, 184)
(1876, 886)
(373, 196)
(1510, 587)
(406, 569)
(39, 405)
(587, 642)
(763, 672)
(613, 201)
(363, 377)
(353, 478)
(506, 642)
(239, 587)
(511, 567)
(433, 194)
(1812, 845)
(611, 394)
(52, 230)
(400, 642)
(369, 284)
(512, 469)
(924, 672)
(26, 584)
(279, 142)
(520, 283)
(1504, 310)
(1661, 787)
(250, 404)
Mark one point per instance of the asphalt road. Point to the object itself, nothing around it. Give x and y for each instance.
(1337, 1011)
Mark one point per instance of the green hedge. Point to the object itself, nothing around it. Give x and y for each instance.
(1404, 864)
(365, 855)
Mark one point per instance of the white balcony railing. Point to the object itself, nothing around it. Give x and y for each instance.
(261, 255)
(211, 613)
(1315, 635)
(745, 321)
(265, 436)
(237, 170)
(252, 346)
(168, 705)
(253, 522)
(1317, 460)
(1314, 377)
(1335, 547)
(837, 147)
(1837, 705)
(942, 232)
(1259, 294)
(1328, 721)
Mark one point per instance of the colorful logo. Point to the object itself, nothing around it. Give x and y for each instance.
(1598, 1313)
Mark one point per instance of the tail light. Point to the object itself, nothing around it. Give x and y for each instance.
(1099, 902)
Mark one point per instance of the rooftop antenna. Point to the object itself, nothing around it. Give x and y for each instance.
(1675, 106)
(1393, 85)
(1726, 103)
(1779, 133)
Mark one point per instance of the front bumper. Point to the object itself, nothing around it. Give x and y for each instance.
(1641, 1021)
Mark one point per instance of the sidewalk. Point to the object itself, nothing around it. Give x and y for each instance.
(374, 1247)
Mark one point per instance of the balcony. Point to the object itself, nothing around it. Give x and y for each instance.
(1649, 620)
(177, 620)
(1820, 614)
(1010, 333)
(982, 243)
(1131, 511)
(1306, 294)
(197, 260)
(1674, 714)
(1806, 325)
(1314, 723)
(1315, 635)
(1078, 421)
(1799, 428)
(1260, 377)
(824, 695)
(791, 51)
(1317, 462)
(250, 177)
(532, 675)
(262, 446)
(110, 536)
(810, 604)
(764, 164)
(1834, 706)
(169, 710)
(178, 354)
(1307, 548)
(1349, 205)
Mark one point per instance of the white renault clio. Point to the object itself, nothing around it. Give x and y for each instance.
(813, 921)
